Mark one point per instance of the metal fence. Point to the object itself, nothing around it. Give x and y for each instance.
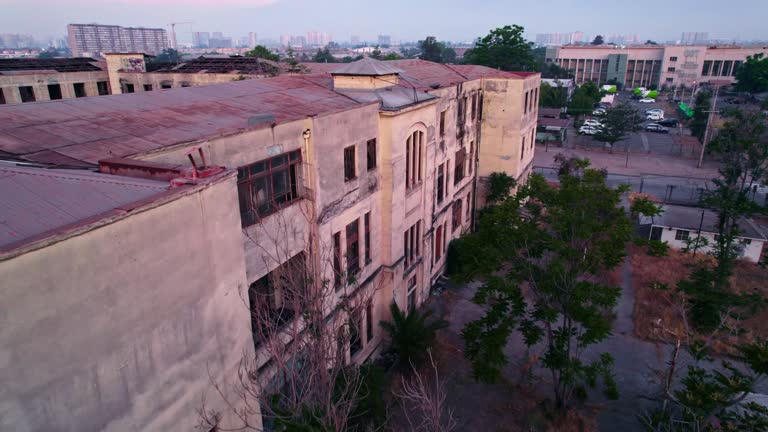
(673, 146)
(668, 189)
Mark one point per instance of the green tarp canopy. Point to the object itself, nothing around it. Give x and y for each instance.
(686, 110)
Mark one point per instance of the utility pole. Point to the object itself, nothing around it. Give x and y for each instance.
(707, 134)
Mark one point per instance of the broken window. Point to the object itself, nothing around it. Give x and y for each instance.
(442, 123)
(349, 163)
(458, 167)
(369, 321)
(147, 87)
(439, 183)
(456, 220)
(367, 228)
(79, 90)
(353, 248)
(411, 294)
(27, 93)
(129, 88)
(438, 244)
(371, 153)
(413, 149)
(2, 97)
(471, 157)
(102, 87)
(267, 186)
(337, 260)
(54, 91)
(474, 105)
(355, 342)
(469, 205)
(411, 244)
(525, 105)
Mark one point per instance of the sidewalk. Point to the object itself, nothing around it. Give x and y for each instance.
(639, 164)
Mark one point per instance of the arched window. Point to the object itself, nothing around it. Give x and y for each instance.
(413, 159)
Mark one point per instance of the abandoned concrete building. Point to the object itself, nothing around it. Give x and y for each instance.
(378, 164)
(30, 80)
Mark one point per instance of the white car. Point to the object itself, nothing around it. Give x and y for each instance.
(647, 100)
(654, 117)
(598, 112)
(588, 130)
(593, 123)
(654, 110)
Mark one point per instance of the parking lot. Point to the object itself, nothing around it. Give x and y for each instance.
(677, 142)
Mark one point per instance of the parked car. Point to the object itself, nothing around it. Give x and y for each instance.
(647, 100)
(588, 130)
(672, 122)
(599, 112)
(654, 117)
(654, 110)
(655, 127)
(592, 122)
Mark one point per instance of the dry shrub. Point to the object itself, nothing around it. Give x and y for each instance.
(658, 311)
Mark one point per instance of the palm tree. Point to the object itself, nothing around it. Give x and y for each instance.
(411, 336)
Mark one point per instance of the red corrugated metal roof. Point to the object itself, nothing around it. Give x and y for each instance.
(90, 129)
(36, 203)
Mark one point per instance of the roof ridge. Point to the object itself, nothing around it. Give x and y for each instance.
(94, 177)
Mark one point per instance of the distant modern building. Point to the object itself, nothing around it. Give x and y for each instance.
(222, 42)
(354, 40)
(318, 38)
(200, 39)
(652, 65)
(16, 41)
(557, 39)
(694, 38)
(385, 40)
(252, 39)
(93, 39)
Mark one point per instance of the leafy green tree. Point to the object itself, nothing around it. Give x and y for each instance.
(324, 56)
(262, 52)
(376, 54)
(584, 99)
(504, 48)
(698, 123)
(431, 49)
(617, 123)
(598, 40)
(169, 55)
(392, 56)
(49, 53)
(500, 185)
(552, 97)
(650, 42)
(713, 400)
(411, 335)
(554, 241)
(449, 55)
(752, 75)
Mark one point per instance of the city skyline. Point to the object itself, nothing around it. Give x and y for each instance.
(449, 20)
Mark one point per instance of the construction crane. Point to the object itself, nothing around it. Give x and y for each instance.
(173, 32)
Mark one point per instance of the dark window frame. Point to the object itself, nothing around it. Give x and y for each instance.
(456, 216)
(147, 87)
(27, 94)
(370, 152)
(2, 97)
(367, 237)
(102, 87)
(368, 322)
(350, 167)
(439, 185)
(263, 174)
(56, 95)
(337, 260)
(442, 122)
(353, 247)
(79, 89)
(458, 167)
(682, 235)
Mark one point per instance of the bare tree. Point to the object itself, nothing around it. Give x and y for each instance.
(424, 402)
(306, 316)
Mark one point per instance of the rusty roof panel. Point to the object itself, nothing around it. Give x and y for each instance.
(123, 125)
(35, 201)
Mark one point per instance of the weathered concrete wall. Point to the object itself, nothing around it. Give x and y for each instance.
(751, 252)
(129, 62)
(119, 331)
(278, 236)
(508, 131)
(9, 84)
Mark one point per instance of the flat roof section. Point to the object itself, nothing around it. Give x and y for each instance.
(36, 203)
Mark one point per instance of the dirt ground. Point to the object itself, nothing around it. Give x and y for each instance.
(511, 405)
(658, 315)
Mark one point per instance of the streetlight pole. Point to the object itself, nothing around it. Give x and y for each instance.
(707, 134)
